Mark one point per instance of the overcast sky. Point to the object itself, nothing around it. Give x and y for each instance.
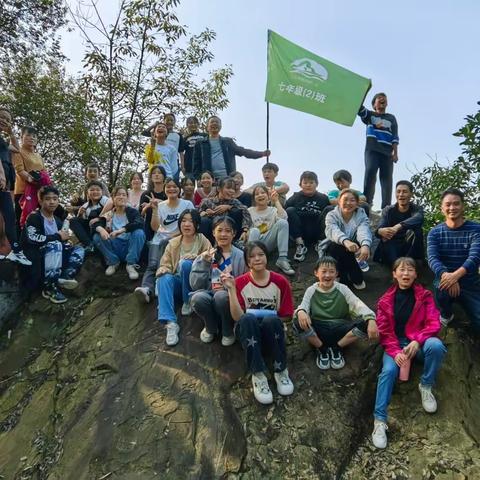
(422, 54)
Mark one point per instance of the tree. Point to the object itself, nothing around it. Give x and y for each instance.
(139, 66)
(42, 96)
(463, 173)
(28, 27)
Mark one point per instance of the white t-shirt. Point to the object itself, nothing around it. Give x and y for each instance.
(264, 219)
(168, 218)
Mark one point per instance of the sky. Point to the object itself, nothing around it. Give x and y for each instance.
(419, 53)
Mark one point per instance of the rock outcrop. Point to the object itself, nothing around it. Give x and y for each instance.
(90, 391)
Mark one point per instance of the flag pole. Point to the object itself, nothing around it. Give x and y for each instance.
(268, 129)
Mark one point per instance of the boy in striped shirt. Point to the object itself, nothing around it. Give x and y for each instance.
(453, 250)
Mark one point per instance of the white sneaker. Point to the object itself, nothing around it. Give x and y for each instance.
(206, 337)
(261, 390)
(429, 403)
(111, 269)
(300, 252)
(68, 283)
(284, 265)
(132, 272)
(172, 333)
(445, 321)
(284, 384)
(228, 341)
(18, 257)
(360, 286)
(186, 309)
(379, 434)
(143, 294)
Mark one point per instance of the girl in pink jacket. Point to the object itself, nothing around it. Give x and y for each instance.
(408, 322)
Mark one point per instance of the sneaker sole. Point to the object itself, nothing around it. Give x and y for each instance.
(337, 367)
(69, 284)
(140, 296)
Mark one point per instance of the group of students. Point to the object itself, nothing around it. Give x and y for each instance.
(205, 243)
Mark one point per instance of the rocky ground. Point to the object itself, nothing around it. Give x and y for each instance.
(90, 391)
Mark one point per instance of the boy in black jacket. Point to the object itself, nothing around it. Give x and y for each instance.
(400, 228)
(45, 243)
(304, 210)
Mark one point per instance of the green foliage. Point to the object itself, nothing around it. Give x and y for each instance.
(463, 173)
(42, 96)
(142, 65)
(28, 27)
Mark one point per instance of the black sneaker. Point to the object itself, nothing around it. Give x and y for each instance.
(53, 294)
(336, 358)
(323, 359)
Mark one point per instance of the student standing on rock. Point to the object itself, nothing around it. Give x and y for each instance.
(217, 154)
(173, 274)
(380, 149)
(7, 185)
(408, 323)
(210, 299)
(160, 152)
(191, 139)
(260, 301)
(45, 240)
(401, 228)
(453, 250)
(348, 238)
(331, 317)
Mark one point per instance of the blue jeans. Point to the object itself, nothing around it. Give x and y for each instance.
(469, 299)
(431, 353)
(171, 287)
(118, 250)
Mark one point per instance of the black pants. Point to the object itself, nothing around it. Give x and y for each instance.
(410, 245)
(375, 161)
(331, 331)
(348, 268)
(8, 212)
(81, 229)
(259, 336)
(310, 227)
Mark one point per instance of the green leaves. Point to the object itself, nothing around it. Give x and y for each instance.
(463, 173)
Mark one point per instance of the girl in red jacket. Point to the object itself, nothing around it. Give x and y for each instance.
(408, 323)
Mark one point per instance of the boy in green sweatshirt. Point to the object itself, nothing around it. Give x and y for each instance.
(331, 317)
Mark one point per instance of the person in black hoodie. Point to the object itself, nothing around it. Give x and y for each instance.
(217, 154)
(45, 242)
(119, 235)
(304, 210)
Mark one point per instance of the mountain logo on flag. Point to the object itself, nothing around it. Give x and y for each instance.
(309, 69)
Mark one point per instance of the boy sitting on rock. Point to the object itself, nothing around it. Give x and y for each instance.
(331, 317)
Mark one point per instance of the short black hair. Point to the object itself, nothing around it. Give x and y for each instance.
(308, 175)
(379, 94)
(94, 183)
(326, 260)
(406, 183)
(270, 166)
(174, 180)
(196, 218)
(46, 190)
(186, 178)
(92, 165)
(342, 175)
(224, 219)
(133, 175)
(226, 182)
(453, 191)
(249, 248)
(30, 130)
(192, 119)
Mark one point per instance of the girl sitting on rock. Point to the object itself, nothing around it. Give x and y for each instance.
(210, 300)
(408, 323)
(260, 301)
(174, 271)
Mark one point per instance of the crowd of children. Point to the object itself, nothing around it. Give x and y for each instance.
(205, 244)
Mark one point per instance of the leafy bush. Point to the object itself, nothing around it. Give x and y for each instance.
(463, 173)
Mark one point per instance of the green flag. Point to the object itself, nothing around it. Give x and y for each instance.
(303, 81)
